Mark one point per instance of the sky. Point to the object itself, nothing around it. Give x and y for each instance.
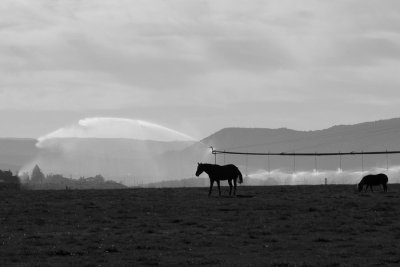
(197, 66)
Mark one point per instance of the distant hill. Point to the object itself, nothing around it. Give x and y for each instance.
(377, 135)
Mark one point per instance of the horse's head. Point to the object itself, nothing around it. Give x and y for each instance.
(199, 169)
(360, 186)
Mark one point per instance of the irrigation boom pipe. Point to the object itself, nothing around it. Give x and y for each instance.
(305, 154)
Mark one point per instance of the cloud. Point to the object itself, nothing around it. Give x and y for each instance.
(250, 54)
(154, 55)
(364, 51)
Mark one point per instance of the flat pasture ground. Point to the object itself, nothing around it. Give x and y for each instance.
(264, 226)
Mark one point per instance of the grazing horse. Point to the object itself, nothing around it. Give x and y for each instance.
(373, 179)
(217, 173)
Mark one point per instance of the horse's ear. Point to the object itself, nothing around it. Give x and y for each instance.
(198, 163)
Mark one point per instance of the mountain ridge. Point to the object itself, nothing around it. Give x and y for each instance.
(271, 139)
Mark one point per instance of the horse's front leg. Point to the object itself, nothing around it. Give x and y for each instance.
(219, 187)
(234, 187)
(211, 186)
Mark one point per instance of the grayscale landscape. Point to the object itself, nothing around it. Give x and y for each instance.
(199, 133)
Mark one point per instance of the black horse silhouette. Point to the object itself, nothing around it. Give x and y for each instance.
(218, 173)
(373, 179)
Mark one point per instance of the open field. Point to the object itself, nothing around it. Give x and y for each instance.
(264, 226)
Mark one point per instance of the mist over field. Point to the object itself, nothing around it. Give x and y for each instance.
(138, 153)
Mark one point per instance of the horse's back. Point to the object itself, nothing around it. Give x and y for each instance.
(230, 167)
(375, 179)
(228, 171)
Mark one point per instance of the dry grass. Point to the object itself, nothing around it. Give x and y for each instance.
(266, 226)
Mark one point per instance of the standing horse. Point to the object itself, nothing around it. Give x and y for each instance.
(373, 179)
(217, 173)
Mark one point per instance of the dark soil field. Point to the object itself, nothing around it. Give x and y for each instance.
(264, 226)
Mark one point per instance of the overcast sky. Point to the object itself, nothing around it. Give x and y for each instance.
(198, 66)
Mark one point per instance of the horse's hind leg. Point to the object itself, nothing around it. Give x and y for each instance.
(230, 187)
(219, 187)
(211, 186)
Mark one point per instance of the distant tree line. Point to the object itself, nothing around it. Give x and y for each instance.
(37, 180)
(9, 181)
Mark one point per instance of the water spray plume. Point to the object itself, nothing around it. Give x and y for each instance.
(104, 127)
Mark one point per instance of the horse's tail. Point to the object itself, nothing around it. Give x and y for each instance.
(240, 177)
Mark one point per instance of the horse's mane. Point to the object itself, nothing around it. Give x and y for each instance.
(209, 164)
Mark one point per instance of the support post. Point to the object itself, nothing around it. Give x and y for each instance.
(294, 164)
(215, 154)
(387, 161)
(224, 158)
(362, 162)
(247, 161)
(315, 163)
